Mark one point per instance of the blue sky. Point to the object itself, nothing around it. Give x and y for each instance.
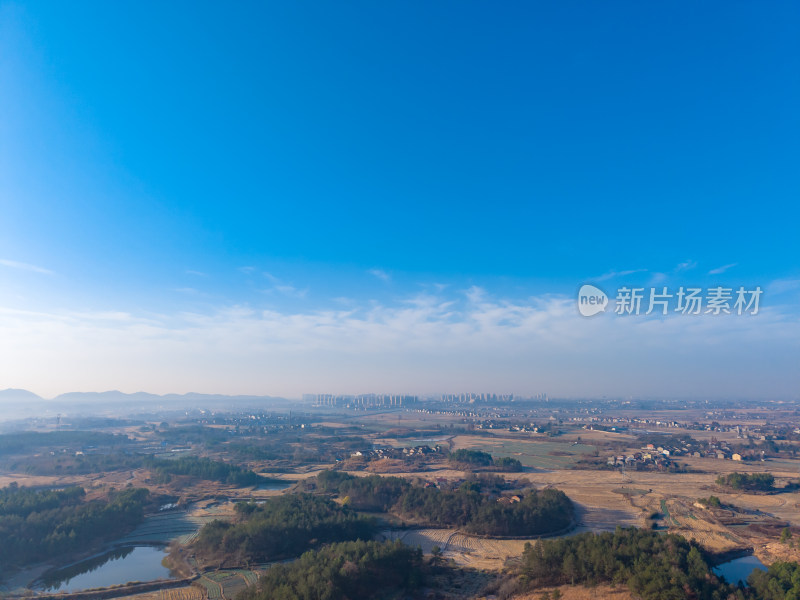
(289, 197)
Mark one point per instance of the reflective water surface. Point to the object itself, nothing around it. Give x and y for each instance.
(121, 565)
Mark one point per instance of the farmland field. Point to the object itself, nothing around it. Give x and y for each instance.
(530, 452)
(465, 550)
(225, 584)
(187, 592)
(213, 589)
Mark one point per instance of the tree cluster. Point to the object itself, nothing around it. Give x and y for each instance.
(37, 525)
(344, 571)
(711, 502)
(202, 468)
(282, 527)
(63, 463)
(472, 507)
(762, 482)
(653, 566)
(780, 582)
(479, 459)
(23, 442)
(371, 493)
(538, 512)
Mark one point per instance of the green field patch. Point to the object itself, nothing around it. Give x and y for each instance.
(250, 577)
(228, 583)
(669, 518)
(536, 454)
(213, 589)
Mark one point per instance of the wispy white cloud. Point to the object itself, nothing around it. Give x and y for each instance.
(270, 277)
(380, 274)
(722, 269)
(616, 274)
(780, 286)
(291, 291)
(284, 288)
(13, 264)
(685, 266)
(196, 273)
(658, 278)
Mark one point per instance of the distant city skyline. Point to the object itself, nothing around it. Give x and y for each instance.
(283, 199)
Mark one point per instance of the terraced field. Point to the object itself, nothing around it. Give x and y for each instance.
(426, 539)
(226, 584)
(230, 582)
(164, 528)
(177, 525)
(251, 577)
(213, 588)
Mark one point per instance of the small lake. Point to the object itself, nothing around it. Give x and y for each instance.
(121, 565)
(739, 569)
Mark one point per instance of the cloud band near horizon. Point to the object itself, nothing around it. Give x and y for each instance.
(421, 344)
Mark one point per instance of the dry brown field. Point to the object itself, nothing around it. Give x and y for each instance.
(576, 592)
(465, 550)
(187, 592)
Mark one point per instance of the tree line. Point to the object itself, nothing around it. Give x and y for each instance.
(22, 501)
(62, 463)
(480, 459)
(745, 481)
(37, 525)
(202, 468)
(281, 527)
(22, 442)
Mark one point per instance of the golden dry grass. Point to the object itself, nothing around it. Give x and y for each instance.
(187, 592)
(386, 465)
(576, 592)
(465, 550)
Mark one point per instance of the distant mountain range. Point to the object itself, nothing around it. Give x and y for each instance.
(116, 396)
(12, 395)
(15, 402)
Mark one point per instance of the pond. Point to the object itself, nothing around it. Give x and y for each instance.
(121, 565)
(739, 568)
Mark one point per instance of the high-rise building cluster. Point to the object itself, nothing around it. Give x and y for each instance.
(475, 398)
(361, 400)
